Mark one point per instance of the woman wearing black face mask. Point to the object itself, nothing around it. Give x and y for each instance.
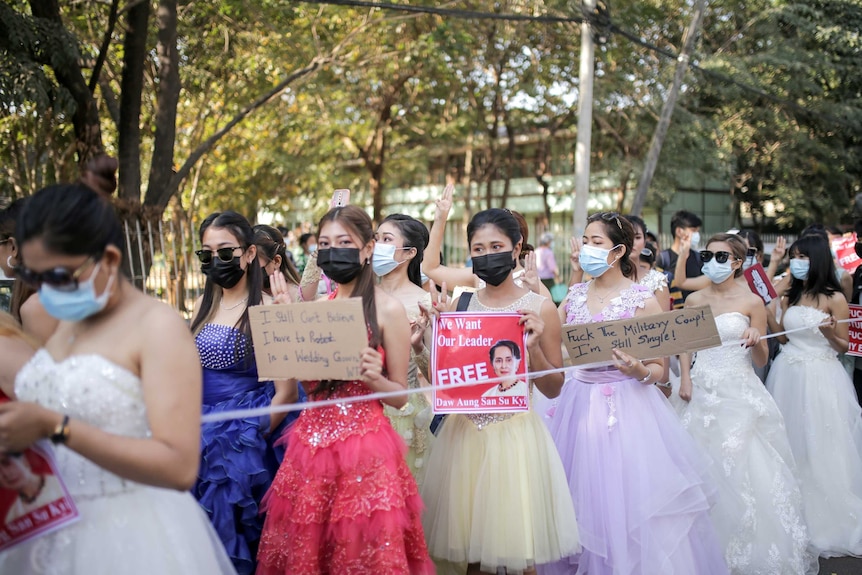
(238, 461)
(509, 507)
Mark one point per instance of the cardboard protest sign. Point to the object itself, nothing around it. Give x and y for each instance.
(476, 347)
(759, 284)
(845, 252)
(651, 336)
(33, 498)
(854, 331)
(310, 341)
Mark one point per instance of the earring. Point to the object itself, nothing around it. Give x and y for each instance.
(9, 262)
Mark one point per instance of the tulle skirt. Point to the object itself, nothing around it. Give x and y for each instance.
(238, 464)
(824, 425)
(638, 480)
(497, 496)
(142, 531)
(351, 507)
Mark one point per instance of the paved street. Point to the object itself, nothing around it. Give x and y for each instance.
(841, 566)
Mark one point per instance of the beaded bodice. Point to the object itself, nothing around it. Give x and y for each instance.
(322, 426)
(93, 389)
(621, 307)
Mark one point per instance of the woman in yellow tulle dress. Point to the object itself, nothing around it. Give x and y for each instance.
(495, 490)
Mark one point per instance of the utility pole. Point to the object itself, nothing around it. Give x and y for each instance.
(667, 109)
(585, 121)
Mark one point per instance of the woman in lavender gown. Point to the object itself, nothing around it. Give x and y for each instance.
(637, 478)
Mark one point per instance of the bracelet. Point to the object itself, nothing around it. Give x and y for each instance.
(61, 432)
(647, 377)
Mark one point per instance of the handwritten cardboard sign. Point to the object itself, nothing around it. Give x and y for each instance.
(646, 337)
(845, 252)
(309, 341)
(854, 331)
(33, 498)
(759, 284)
(475, 347)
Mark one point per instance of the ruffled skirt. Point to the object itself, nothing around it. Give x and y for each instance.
(351, 507)
(497, 496)
(824, 425)
(638, 481)
(238, 464)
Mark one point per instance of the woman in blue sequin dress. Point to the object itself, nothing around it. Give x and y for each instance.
(238, 461)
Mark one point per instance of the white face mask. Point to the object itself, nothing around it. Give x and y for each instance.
(695, 239)
(383, 261)
(716, 272)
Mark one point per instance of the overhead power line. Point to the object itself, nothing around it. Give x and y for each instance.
(600, 20)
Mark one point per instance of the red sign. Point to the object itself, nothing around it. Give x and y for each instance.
(476, 347)
(855, 331)
(33, 498)
(759, 284)
(845, 252)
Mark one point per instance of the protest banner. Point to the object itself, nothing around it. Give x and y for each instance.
(845, 252)
(476, 347)
(33, 498)
(759, 283)
(647, 337)
(854, 331)
(309, 341)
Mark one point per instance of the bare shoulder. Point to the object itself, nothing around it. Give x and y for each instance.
(388, 307)
(697, 298)
(158, 317)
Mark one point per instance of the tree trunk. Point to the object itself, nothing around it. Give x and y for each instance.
(85, 120)
(667, 109)
(131, 91)
(162, 165)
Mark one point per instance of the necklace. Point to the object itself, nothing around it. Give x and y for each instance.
(607, 293)
(234, 306)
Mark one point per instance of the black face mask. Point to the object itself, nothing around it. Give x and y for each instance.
(266, 282)
(493, 269)
(224, 274)
(859, 249)
(341, 265)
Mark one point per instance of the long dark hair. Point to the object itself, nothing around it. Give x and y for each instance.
(415, 236)
(621, 232)
(822, 278)
(270, 241)
(357, 222)
(239, 228)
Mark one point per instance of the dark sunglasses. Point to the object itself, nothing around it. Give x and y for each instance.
(720, 257)
(62, 279)
(752, 252)
(224, 254)
(612, 216)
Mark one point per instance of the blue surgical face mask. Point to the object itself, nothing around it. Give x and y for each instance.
(695, 239)
(716, 272)
(383, 260)
(749, 262)
(594, 260)
(78, 304)
(799, 268)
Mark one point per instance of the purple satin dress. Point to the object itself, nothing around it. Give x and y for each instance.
(638, 480)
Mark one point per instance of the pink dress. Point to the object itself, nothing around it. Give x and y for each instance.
(637, 478)
(344, 500)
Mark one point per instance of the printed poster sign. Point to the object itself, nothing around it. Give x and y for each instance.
(845, 252)
(854, 331)
(33, 498)
(310, 341)
(759, 284)
(476, 347)
(646, 337)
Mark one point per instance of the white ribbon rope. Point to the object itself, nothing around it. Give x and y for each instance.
(287, 408)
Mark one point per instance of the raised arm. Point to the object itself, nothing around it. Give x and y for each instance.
(431, 259)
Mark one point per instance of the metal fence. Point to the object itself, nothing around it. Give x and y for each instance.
(160, 260)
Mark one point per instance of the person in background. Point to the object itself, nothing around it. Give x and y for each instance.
(272, 255)
(308, 245)
(398, 251)
(546, 263)
(117, 388)
(684, 225)
(26, 308)
(646, 259)
(237, 458)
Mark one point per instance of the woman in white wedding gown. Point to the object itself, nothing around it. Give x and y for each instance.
(816, 396)
(725, 407)
(117, 388)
